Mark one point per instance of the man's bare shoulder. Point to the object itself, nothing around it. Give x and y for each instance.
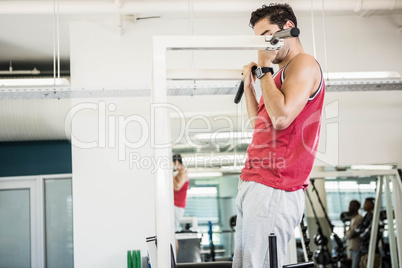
(304, 60)
(304, 64)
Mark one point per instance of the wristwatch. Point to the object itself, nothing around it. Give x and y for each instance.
(261, 71)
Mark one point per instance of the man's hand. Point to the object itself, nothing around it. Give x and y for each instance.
(266, 57)
(248, 77)
(249, 92)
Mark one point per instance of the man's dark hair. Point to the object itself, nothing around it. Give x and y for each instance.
(177, 157)
(370, 202)
(355, 204)
(371, 199)
(276, 13)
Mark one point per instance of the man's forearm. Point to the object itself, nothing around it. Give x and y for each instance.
(274, 100)
(252, 106)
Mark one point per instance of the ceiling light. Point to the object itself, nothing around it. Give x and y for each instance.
(372, 167)
(34, 82)
(205, 174)
(202, 191)
(362, 76)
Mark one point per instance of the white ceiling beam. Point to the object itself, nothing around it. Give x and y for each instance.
(199, 6)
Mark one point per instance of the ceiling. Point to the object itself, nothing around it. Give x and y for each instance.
(28, 38)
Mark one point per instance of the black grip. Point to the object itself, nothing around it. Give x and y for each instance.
(240, 91)
(291, 32)
(273, 255)
(300, 265)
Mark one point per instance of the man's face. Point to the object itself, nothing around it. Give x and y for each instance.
(264, 27)
(368, 205)
(353, 207)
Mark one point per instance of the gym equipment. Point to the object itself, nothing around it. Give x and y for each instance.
(189, 247)
(225, 264)
(273, 256)
(322, 254)
(240, 91)
(292, 32)
(133, 259)
(129, 259)
(211, 242)
(340, 247)
(305, 241)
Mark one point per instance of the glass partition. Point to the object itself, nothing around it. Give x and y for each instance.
(58, 223)
(15, 235)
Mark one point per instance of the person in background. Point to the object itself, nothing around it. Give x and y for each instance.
(352, 237)
(364, 231)
(181, 182)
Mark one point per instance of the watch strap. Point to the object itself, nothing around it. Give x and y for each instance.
(267, 69)
(261, 71)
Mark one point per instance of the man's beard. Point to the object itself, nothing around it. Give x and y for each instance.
(281, 55)
(277, 60)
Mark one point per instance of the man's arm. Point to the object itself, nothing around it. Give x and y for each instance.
(302, 78)
(249, 92)
(180, 179)
(351, 233)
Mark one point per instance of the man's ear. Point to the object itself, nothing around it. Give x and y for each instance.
(289, 24)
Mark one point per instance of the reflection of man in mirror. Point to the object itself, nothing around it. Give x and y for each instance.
(181, 182)
(352, 237)
(364, 230)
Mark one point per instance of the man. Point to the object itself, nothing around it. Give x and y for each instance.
(286, 124)
(352, 237)
(181, 182)
(364, 230)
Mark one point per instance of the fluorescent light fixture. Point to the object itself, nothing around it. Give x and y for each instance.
(363, 76)
(372, 167)
(205, 174)
(214, 160)
(34, 82)
(202, 191)
(204, 74)
(235, 74)
(203, 84)
(334, 186)
(232, 168)
(224, 135)
(241, 137)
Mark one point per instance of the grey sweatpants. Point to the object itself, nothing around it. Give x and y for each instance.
(262, 210)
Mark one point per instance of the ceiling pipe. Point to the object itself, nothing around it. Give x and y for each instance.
(131, 7)
(22, 72)
(11, 71)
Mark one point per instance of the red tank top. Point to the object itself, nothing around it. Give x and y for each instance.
(180, 196)
(283, 159)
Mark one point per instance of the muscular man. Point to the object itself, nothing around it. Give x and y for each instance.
(286, 122)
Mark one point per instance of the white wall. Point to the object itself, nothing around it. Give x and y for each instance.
(113, 201)
(369, 128)
(114, 205)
